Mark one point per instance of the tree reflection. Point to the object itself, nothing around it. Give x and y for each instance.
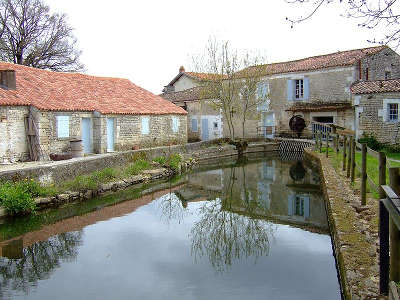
(38, 261)
(172, 207)
(224, 236)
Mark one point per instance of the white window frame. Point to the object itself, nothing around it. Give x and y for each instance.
(175, 124)
(393, 112)
(61, 122)
(384, 112)
(298, 89)
(145, 125)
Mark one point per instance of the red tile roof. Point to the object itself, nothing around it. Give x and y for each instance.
(320, 106)
(378, 86)
(48, 90)
(337, 59)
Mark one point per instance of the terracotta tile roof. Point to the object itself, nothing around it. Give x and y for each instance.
(337, 59)
(47, 90)
(191, 94)
(378, 86)
(205, 76)
(320, 106)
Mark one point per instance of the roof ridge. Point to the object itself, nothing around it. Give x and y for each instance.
(59, 72)
(317, 56)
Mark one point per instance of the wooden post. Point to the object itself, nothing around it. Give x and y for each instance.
(344, 152)
(349, 157)
(327, 143)
(353, 159)
(383, 249)
(337, 143)
(364, 175)
(320, 141)
(382, 174)
(394, 231)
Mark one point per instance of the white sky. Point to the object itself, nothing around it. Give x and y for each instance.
(146, 41)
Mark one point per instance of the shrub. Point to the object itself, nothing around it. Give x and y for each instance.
(371, 142)
(160, 160)
(137, 166)
(17, 197)
(174, 161)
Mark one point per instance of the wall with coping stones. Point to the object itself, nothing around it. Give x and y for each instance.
(354, 245)
(64, 170)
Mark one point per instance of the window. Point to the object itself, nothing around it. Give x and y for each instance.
(62, 126)
(194, 125)
(262, 90)
(299, 89)
(366, 73)
(215, 125)
(175, 124)
(393, 109)
(145, 125)
(299, 206)
(387, 75)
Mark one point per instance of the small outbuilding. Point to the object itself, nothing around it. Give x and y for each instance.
(376, 105)
(42, 111)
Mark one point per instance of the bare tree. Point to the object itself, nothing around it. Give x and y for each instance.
(31, 36)
(372, 14)
(230, 88)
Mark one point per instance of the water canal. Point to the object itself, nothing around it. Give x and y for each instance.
(253, 229)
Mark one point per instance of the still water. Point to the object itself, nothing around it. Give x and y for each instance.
(238, 230)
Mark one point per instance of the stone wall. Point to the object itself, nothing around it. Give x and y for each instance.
(13, 145)
(127, 132)
(385, 61)
(372, 115)
(329, 86)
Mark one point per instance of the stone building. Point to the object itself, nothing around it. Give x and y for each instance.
(107, 114)
(376, 104)
(204, 121)
(316, 88)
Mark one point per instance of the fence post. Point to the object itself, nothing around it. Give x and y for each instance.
(337, 143)
(394, 265)
(383, 249)
(327, 143)
(344, 152)
(320, 141)
(349, 157)
(353, 159)
(382, 174)
(364, 175)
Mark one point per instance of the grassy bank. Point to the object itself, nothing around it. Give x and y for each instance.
(18, 197)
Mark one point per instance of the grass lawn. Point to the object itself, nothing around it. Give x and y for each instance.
(372, 168)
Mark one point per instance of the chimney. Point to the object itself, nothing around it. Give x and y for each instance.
(7, 79)
(181, 69)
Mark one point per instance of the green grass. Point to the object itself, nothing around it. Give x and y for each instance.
(136, 167)
(372, 168)
(174, 161)
(160, 160)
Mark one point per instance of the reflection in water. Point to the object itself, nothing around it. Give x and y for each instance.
(230, 217)
(36, 262)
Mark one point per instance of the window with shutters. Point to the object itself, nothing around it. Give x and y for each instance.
(194, 125)
(299, 89)
(175, 124)
(145, 125)
(62, 126)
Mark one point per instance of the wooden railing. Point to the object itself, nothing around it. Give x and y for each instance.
(320, 127)
(389, 205)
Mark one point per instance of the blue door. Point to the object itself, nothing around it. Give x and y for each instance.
(110, 134)
(204, 129)
(87, 135)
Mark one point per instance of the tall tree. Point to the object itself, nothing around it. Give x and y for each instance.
(372, 14)
(231, 84)
(30, 35)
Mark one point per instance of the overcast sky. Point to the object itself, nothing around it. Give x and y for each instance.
(146, 41)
